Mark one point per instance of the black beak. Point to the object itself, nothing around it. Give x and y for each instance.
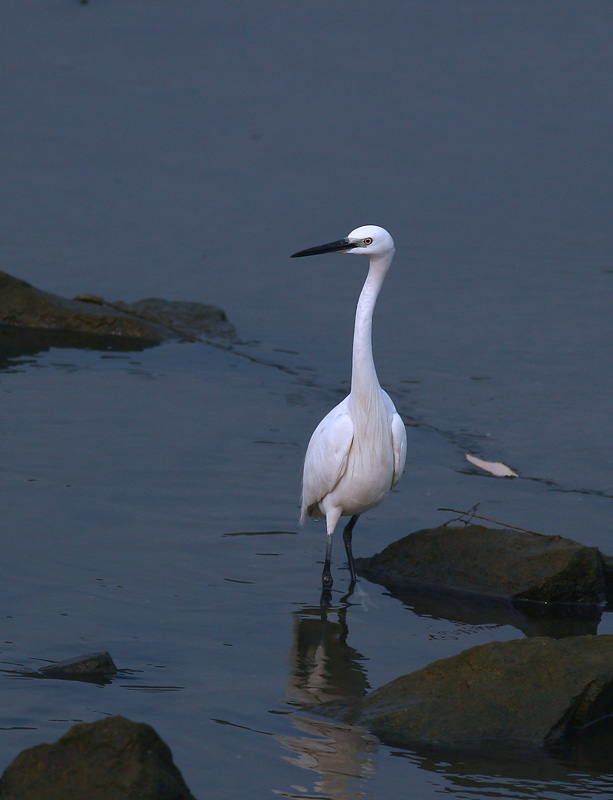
(332, 247)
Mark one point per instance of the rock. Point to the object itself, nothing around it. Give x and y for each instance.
(527, 691)
(490, 563)
(89, 319)
(91, 667)
(25, 306)
(112, 759)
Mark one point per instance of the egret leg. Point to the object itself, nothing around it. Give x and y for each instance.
(326, 575)
(347, 534)
(332, 518)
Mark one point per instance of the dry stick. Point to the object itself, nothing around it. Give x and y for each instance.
(487, 519)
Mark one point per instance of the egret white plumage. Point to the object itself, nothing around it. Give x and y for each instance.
(357, 452)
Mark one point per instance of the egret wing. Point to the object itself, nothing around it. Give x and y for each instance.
(399, 445)
(326, 459)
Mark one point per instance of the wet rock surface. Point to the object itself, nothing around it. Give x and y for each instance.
(491, 563)
(534, 691)
(112, 759)
(88, 321)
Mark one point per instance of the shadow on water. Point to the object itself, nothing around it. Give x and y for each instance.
(324, 667)
(517, 772)
(532, 619)
(15, 343)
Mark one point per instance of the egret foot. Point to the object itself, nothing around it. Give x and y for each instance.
(326, 578)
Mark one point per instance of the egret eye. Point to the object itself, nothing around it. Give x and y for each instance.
(367, 240)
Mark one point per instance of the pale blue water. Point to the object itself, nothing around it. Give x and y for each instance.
(185, 151)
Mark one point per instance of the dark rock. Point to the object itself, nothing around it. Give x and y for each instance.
(530, 691)
(483, 562)
(25, 306)
(113, 759)
(88, 667)
(91, 321)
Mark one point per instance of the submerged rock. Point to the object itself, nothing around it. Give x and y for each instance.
(484, 562)
(89, 319)
(112, 759)
(527, 691)
(91, 667)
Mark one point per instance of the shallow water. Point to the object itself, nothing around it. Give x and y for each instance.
(150, 499)
(139, 518)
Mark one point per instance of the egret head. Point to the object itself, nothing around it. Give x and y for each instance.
(368, 240)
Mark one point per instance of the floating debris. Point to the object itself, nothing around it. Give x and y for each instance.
(496, 468)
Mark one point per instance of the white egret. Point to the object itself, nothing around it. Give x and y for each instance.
(357, 452)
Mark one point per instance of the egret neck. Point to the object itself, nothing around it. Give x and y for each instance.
(363, 372)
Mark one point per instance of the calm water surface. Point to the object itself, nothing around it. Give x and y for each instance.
(150, 502)
(150, 499)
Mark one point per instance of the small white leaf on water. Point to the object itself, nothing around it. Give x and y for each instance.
(496, 468)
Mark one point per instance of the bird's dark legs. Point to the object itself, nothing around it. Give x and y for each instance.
(326, 575)
(347, 533)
